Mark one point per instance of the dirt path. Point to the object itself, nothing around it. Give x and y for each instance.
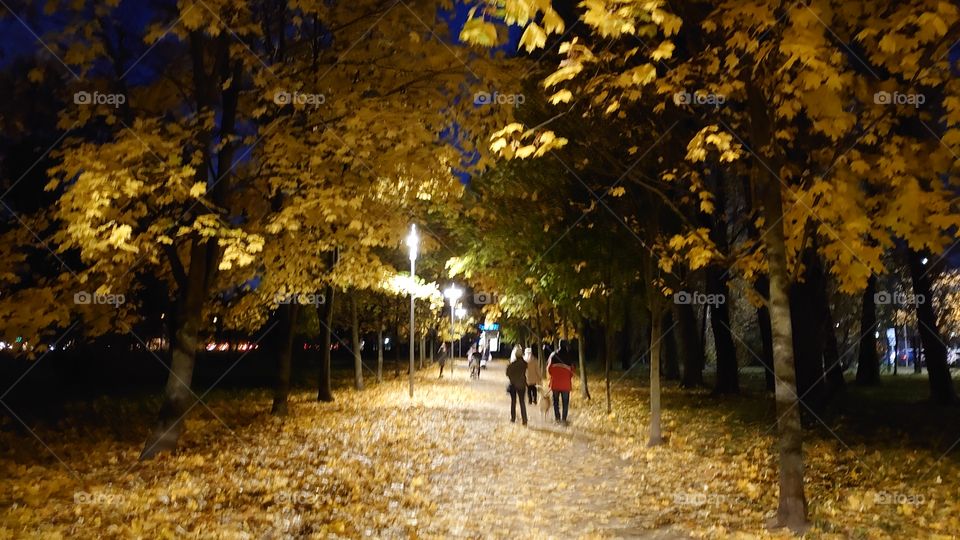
(539, 481)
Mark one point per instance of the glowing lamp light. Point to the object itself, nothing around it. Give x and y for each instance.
(413, 242)
(453, 293)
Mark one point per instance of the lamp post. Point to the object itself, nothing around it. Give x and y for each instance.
(461, 312)
(453, 294)
(413, 242)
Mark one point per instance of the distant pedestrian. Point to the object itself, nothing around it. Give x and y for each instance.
(533, 375)
(442, 358)
(517, 374)
(473, 361)
(560, 370)
(547, 350)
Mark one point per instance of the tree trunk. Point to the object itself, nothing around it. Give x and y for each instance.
(325, 391)
(896, 350)
(607, 362)
(808, 335)
(934, 350)
(281, 390)
(832, 363)
(178, 397)
(727, 377)
(540, 343)
(691, 348)
(792, 510)
(355, 340)
(380, 354)
(762, 286)
(917, 369)
(582, 356)
(868, 365)
(423, 348)
(671, 365)
(656, 437)
(727, 381)
(396, 351)
(608, 352)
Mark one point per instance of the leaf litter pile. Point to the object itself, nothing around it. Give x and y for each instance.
(450, 464)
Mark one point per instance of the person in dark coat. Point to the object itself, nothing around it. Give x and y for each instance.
(442, 358)
(517, 374)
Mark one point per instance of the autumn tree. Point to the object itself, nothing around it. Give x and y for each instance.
(786, 122)
(263, 140)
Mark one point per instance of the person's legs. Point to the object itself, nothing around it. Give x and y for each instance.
(523, 405)
(556, 405)
(513, 403)
(532, 393)
(566, 404)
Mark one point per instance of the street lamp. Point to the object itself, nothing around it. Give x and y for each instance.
(453, 294)
(413, 242)
(461, 312)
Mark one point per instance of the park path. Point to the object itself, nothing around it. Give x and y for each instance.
(539, 481)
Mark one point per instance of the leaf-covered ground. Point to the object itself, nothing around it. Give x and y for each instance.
(450, 464)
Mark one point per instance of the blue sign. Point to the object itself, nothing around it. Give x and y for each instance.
(489, 327)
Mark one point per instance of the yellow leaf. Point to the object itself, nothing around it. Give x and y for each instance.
(563, 96)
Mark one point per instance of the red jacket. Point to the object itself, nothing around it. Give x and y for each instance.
(561, 377)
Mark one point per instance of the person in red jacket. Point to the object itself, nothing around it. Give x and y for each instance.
(560, 370)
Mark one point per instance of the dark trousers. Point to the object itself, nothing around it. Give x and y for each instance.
(532, 393)
(517, 394)
(557, 396)
(442, 362)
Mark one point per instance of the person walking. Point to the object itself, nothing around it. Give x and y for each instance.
(517, 374)
(442, 358)
(473, 361)
(560, 370)
(534, 376)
